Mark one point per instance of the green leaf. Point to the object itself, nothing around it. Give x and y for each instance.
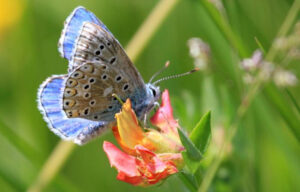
(192, 152)
(191, 155)
(191, 165)
(196, 143)
(189, 180)
(201, 134)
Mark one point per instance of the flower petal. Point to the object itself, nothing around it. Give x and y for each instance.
(155, 169)
(123, 162)
(137, 180)
(130, 133)
(163, 118)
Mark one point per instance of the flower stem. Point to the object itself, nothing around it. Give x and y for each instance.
(52, 165)
(63, 149)
(247, 101)
(149, 27)
(224, 26)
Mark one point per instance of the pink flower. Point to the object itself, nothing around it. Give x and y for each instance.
(150, 156)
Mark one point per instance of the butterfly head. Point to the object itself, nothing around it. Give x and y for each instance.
(153, 92)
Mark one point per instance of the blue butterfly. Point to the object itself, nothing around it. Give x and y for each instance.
(79, 106)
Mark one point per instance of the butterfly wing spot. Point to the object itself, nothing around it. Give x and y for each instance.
(110, 108)
(72, 82)
(86, 111)
(69, 92)
(112, 60)
(92, 102)
(72, 113)
(125, 87)
(96, 117)
(104, 67)
(68, 103)
(92, 80)
(97, 52)
(118, 78)
(86, 87)
(77, 75)
(101, 47)
(104, 77)
(87, 68)
(86, 95)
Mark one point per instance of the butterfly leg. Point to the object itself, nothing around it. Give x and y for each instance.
(145, 119)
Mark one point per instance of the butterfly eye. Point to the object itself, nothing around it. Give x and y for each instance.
(153, 92)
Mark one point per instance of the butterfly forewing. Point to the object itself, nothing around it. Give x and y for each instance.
(96, 44)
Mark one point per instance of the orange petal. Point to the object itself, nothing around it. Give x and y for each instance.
(128, 150)
(130, 133)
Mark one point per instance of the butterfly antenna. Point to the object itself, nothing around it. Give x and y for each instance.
(176, 76)
(160, 71)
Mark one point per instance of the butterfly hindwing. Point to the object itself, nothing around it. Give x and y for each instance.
(50, 104)
(89, 88)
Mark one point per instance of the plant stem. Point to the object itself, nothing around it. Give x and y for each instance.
(52, 165)
(145, 33)
(285, 27)
(149, 27)
(223, 25)
(63, 149)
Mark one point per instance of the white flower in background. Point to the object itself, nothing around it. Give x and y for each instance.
(267, 69)
(218, 140)
(284, 78)
(253, 63)
(248, 79)
(200, 51)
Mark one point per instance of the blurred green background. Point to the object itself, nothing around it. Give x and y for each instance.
(265, 153)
